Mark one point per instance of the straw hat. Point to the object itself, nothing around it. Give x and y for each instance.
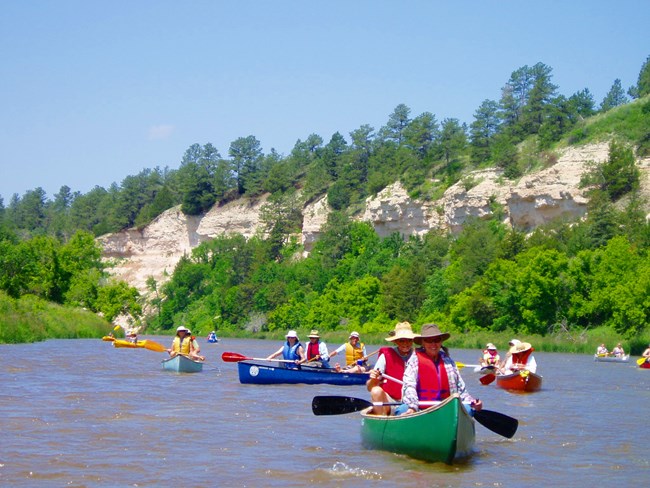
(521, 347)
(292, 333)
(402, 330)
(490, 346)
(431, 330)
(314, 333)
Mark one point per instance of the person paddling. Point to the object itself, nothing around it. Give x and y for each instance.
(391, 361)
(291, 350)
(521, 358)
(602, 350)
(183, 344)
(490, 356)
(355, 355)
(431, 375)
(646, 354)
(316, 352)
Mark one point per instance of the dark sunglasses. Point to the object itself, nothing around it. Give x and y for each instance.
(432, 339)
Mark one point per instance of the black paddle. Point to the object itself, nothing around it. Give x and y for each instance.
(337, 405)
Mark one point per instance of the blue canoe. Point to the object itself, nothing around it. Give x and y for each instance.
(260, 373)
(182, 364)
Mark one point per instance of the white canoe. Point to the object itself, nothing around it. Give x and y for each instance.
(612, 359)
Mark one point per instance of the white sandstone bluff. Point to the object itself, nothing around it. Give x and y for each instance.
(154, 250)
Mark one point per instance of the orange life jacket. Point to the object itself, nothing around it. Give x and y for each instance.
(433, 383)
(395, 366)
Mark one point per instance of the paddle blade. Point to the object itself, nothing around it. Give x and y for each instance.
(153, 346)
(487, 379)
(640, 361)
(497, 422)
(337, 405)
(233, 357)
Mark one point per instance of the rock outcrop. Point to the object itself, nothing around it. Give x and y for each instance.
(535, 199)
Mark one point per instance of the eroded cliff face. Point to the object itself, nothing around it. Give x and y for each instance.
(533, 200)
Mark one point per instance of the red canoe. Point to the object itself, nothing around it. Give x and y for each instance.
(521, 381)
(645, 365)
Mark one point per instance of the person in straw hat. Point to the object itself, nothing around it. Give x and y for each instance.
(490, 356)
(431, 375)
(391, 361)
(520, 358)
(291, 350)
(316, 352)
(356, 357)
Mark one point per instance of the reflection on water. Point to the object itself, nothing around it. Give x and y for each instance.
(82, 413)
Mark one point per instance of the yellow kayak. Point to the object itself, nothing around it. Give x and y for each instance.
(123, 343)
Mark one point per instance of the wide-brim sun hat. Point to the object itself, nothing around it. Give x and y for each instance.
(354, 334)
(292, 333)
(521, 347)
(403, 330)
(490, 346)
(182, 328)
(314, 333)
(431, 330)
(514, 342)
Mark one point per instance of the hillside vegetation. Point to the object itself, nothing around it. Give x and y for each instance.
(565, 278)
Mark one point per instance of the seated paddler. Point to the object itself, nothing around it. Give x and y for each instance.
(392, 362)
(291, 350)
(431, 374)
(316, 352)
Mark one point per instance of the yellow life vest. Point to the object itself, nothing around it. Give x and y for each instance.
(184, 347)
(352, 354)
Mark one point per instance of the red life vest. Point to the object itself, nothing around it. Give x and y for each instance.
(312, 350)
(395, 366)
(521, 358)
(433, 383)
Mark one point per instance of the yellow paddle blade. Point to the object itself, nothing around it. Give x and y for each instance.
(117, 327)
(640, 361)
(152, 346)
(460, 365)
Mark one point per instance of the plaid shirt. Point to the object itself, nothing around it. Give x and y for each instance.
(456, 383)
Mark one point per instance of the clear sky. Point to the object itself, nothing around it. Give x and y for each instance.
(95, 90)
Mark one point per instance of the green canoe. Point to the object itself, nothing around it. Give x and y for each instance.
(439, 433)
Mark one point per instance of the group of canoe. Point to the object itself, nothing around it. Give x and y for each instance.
(184, 354)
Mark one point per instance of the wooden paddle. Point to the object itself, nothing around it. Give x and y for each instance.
(335, 405)
(487, 379)
(365, 358)
(233, 357)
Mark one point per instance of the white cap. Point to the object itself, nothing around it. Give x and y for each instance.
(292, 333)
(514, 342)
(182, 328)
(354, 334)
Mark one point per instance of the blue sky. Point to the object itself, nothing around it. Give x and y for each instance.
(94, 91)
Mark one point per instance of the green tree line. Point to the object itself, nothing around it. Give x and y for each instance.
(572, 276)
(413, 149)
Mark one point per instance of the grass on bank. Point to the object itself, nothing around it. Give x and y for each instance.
(585, 342)
(32, 319)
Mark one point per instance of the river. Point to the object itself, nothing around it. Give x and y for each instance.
(84, 414)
